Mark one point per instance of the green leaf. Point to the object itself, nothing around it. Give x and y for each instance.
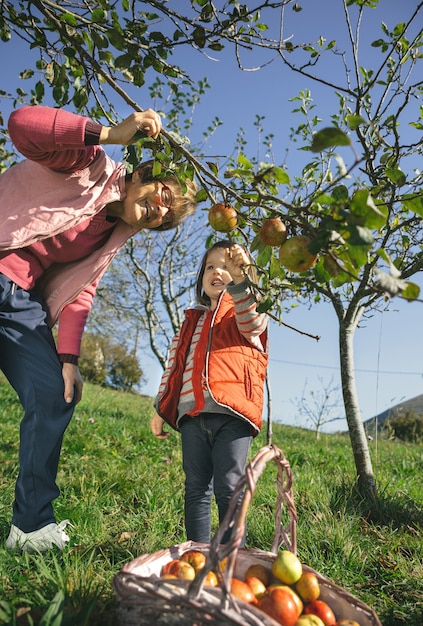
(329, 138)
(69, 19)
(396, 176)
(411, 292)
(242, 160)
(354, 121)
(264, 305)
(157, 168)
(413, 203)
(99, 16)
(201, 195)
(199, 36)
(362, 206)
(281, 176)
(264, 256)
(356, 235)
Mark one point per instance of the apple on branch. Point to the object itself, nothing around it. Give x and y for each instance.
(295, 255)
(273, 232)
(223, 217)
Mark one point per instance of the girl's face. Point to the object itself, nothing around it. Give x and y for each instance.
(216, 276)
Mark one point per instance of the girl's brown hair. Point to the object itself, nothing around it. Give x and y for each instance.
(183, 200)
(201, 297)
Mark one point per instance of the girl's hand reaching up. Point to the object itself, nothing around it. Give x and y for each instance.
(236, 261)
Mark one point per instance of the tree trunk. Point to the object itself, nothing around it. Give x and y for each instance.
(359, 442)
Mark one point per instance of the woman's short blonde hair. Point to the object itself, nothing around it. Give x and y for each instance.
(183, 197)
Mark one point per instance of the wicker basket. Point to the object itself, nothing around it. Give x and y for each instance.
(146, 599)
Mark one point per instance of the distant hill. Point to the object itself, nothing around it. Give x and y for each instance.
(414, 405)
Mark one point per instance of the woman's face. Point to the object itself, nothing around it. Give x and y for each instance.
(216, 276)
(146, 205)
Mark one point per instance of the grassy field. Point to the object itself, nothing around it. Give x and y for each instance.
(123, 491)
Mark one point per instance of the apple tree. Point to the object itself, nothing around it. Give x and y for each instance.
(352, 214)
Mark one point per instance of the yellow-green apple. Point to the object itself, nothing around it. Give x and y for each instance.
(287, 567)
(196, 558)
(308, 587)
(322, 610)
(309, 620)
(223, 217)
(273, 232)
(346, 622)
(295, 255)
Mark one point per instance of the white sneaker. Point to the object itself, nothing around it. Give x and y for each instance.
(38, 540)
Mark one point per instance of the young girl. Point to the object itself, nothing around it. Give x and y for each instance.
(212, 389)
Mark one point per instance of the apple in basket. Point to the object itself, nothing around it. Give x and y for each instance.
(260, 571)
(178, 568)
(280, 605)
(309, 620)
(295, 596)
(308, 587)
(346, 622)
(257, 585)
(242, 591)
(322, 610)
(196, 558)
(211, 579)
(287, 567)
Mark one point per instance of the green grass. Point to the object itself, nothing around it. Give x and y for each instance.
(122, 489)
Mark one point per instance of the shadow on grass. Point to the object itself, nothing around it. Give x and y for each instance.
(386, 511)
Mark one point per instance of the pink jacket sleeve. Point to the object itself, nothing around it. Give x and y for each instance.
(72, 322)
(55, 138)
(52, 137)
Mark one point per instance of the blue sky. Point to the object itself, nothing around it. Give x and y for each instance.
(388, 346)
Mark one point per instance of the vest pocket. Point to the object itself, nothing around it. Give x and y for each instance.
(248, 382)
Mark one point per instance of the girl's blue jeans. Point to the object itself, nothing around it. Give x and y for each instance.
(29, 360)
(215, 449)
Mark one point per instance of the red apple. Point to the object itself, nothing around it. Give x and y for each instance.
(322, 610)
(295, 255)
(308, 587)
(295, 596)
(260, 571)
(265, 604)
(181, 569)
(167, 566)
(223, 217)
(242, 591)
(196, 558)
(287, 567)
(285, 610)
(273, 232)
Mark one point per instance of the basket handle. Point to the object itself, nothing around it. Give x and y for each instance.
(237, 511)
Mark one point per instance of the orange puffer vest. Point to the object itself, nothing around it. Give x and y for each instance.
(234, 369)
